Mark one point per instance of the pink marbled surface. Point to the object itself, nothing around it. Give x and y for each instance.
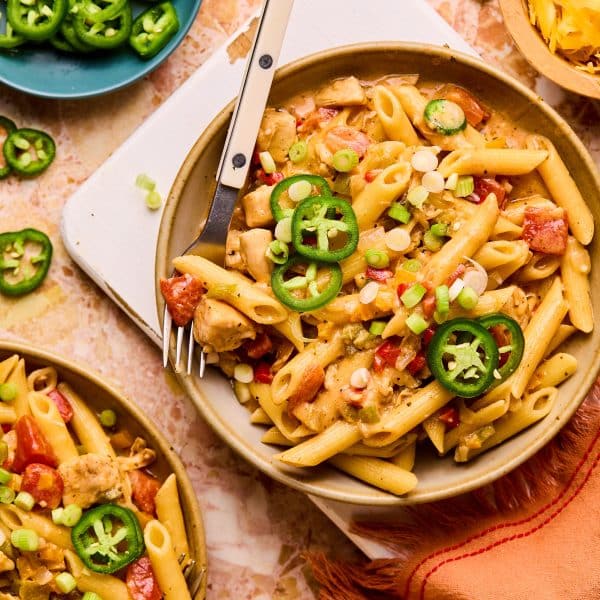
(256, 529)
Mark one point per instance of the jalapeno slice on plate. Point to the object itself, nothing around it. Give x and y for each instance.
(313, 181)
(104, 35)
(153, 29)
(328, 222)
(108, 538)
(511, 347)
(99, 11)
(6, 128)
(25, 258)
(311, 286)
(9, 39)
(29, 151)
(462, 355)
(36, 20)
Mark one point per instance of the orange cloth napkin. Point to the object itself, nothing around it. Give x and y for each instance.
(532, 535)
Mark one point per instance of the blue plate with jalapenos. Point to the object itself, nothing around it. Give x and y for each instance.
(40, 69)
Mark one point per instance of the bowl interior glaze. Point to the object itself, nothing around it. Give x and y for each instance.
(187, 207)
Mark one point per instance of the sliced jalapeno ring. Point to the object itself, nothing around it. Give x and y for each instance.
(8, 127)
(313, 297)
(9, 39)
(106, 35)
(463, 366)
(98, 11)
(316, 217)
(515, 347)
(36, 21)
(277, 210)
(29, 151)
(153, 29)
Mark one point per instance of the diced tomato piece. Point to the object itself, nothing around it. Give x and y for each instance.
(63, 405)
(474, 111)
(182, 294)
(269, 178)
(546, 229)
(144, 488)
(141, 581)
(417, 363)
(255, 158)
(371, 175)
(450, 417)
(44, 483)
(262, 373)
(342, 137)
(32, 446)
(381, 275)
(312, 380)
(258, 347)
(389, 352)
(427, 336)
(317, 118)
(428, 304)
(378, 364)
(6, 427)
(402, 287)
(310, 240)
(484, 186)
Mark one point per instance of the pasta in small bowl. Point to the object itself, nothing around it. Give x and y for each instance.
(407, 278)
(94, 503)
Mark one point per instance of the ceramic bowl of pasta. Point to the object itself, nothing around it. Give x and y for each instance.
(404, 313)
(560, 38)
(94, 503)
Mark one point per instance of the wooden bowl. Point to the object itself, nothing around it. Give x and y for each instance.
(100, 395)
(186, 210)
(534, 48)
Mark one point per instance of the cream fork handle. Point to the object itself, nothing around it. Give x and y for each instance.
(252, 99)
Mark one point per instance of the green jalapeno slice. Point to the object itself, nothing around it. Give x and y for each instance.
(104, 35)
(7, 126)
(153, 29)
(277, 210)
(29, 151)
(498, 324)
(36, 20)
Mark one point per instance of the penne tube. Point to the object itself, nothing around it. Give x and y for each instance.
(487, 161)
(260, 417)
(377, 472)
(488, 302)
(540, 266)
(349, 308)
(563, 189)
(8, 414)
(505, 229)
(106, 586)
(396, 325)
(395, 122)
(464, 243)
(515, 211)
(246, 297)
(405, 459)
(7, 366)
(42, 380)
(274, 437)
(168, 511)
(553, 371)
(538, 335)
(18, 378)
(291, 328)
(563, 333)
(575, 267)
(435, 429)
(495, 254)
(277, 413)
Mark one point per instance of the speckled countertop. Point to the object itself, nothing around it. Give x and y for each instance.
(256, 529)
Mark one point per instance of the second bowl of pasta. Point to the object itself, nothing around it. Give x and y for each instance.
(405, 312)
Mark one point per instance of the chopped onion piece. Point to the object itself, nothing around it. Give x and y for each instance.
(283, 230)
(397, 239)
(433, 182)
(455, 289)
(424, 161)
(267, 162)
(369, 292)
(360, 378)
(477, 278)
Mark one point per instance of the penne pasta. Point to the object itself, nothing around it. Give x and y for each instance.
(575, 267)
(168, 510)
(393, 118)
(486, 161)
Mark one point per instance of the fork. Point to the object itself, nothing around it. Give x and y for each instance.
(193, 574)
(236, 158)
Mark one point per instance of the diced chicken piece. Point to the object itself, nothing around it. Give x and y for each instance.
(277, 133)
(89, 479)
(253, 249)
(140, 456)
(257, 207)
(342, 92)
(343, 137)
(219, 327)
(36, 590)
(233, 258)
(546, 229)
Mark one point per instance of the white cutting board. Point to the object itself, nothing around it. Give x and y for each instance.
(109, 200)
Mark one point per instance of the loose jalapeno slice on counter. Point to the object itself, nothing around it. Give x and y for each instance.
(6, 128)
(106, 35)
(36, 20)
(108, 538)
(496, 323)
(29, 151)
(462, 355)
(25, 258)
(283, 186)
(153, 29)
(316, 216)
(304, 292)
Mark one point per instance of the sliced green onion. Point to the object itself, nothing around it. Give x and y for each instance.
(57, 515)
(300, 190)
(377, 327)
(417, 196)
(468, 298)
(432, 242)
(298, 151)
(25, 501)
(108, 418)
(345, 160)
(399, 212)
(5, 476)
(438, 317)
(442, 299)
(8, 392)
(267, 162)
(65, 582)
(145, 183)
(451, 182)
(7, 495)
(377, 258)
(71, 515)
(439, 229)
(91, 596)
(25, 540)
(464, 186)
(278, 252)
(416, 323)
(413, 295)
(153, 200)
(369, 414)
(412, 265)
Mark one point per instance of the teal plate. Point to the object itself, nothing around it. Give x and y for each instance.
(46, 72)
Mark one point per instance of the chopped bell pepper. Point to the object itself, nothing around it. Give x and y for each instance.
(153, 29)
